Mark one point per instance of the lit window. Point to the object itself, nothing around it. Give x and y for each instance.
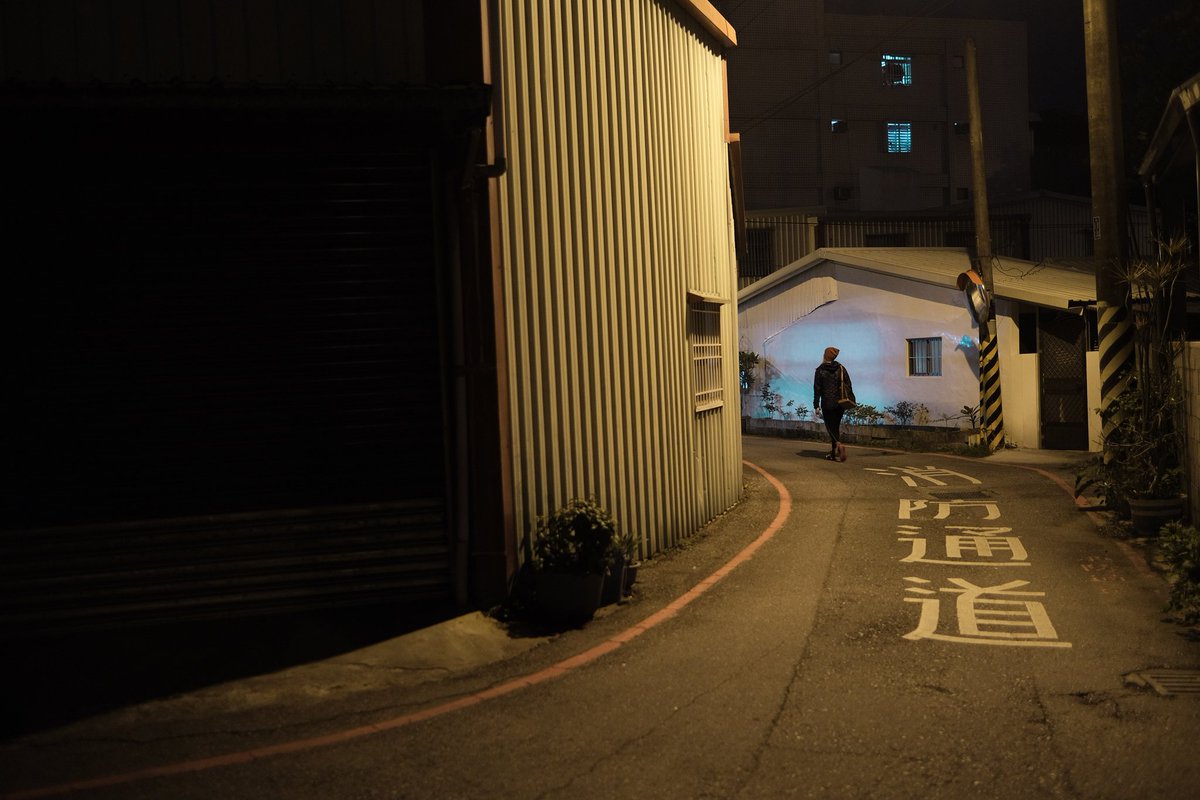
(899, 137)
(704, 337)
(837, 125)
(897, 70)
(925, 356)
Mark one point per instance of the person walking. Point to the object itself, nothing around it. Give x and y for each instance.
(832, 395)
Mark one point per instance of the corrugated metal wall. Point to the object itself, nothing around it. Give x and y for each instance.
(1061, 227)
(792, 237)
(615, 204)
(1009, 233)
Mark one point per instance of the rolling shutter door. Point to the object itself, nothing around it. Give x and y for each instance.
(229, 369)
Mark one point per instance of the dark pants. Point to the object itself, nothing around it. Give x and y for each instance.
(833, 424)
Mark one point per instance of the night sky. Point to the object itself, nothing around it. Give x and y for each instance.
(1055, 28)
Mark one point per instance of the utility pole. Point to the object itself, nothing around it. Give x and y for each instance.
(1108, 204)
(991, 409)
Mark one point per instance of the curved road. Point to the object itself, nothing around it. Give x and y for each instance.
(909, 626)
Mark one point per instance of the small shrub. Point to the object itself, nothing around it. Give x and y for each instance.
(747, 363)
(902, 412)
(771, 402)
(1179, 546)
(921, 414)
(863, 415)
(577, 538)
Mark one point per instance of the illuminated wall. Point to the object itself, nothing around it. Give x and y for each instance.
(870, 316)
(870, 322)
(615, 205)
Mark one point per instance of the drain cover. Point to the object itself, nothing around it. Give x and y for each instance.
(1168, 681)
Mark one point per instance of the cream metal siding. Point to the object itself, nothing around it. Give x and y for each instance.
(614, 206)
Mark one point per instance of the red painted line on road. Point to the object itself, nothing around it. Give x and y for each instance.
(516, 684)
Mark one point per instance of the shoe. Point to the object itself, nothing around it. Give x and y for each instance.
(831, 457)
(841, 452)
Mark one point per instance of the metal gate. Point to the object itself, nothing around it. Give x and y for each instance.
(1061, 348)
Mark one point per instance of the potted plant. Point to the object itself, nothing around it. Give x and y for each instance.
(622, 570)
(572, 550)
(614, 573)
(631, 571)
(1142, 473)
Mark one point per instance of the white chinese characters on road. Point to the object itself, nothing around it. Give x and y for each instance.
(931, 474)
(987, 611)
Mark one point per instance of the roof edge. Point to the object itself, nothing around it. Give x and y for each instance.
(707, 15)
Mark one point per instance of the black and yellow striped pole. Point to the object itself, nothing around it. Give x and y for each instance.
(991, 408)
(1116, 359)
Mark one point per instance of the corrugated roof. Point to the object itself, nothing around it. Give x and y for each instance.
(1014, 278)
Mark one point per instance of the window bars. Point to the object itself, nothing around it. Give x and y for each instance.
(925, 357)
(704, 336)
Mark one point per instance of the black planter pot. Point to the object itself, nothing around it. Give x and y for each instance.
(568, 598)
(631, 571)
(1148, 515)
(614, 581)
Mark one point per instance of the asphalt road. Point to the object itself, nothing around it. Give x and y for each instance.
(963, 632)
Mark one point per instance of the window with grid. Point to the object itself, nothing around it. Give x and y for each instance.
(925, 356)
(897, 69)
(899, 137)
(704, 337)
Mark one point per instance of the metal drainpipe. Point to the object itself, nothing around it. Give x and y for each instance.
(497, 144)
(494, 147)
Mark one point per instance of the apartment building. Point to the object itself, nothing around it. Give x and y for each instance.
(854, 113)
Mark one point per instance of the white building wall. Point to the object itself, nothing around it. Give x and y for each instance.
(1019, 381)
(870, 317)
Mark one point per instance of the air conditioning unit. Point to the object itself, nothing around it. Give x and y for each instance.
(843, 192)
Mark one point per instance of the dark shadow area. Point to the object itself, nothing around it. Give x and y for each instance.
(54, 680)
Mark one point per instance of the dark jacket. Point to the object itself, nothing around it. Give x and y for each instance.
(827, 385)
